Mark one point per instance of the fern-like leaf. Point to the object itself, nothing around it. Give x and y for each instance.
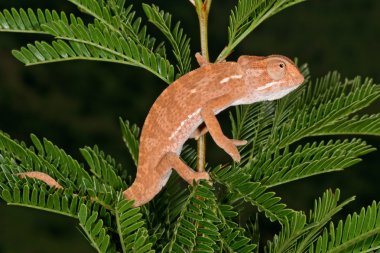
(178, 40)
(194, 230)
(254, 124)
(238, 183)
(291, 231)
(29, 21)
(98, 10)
(48, 159)
(93, 42)
(232, 237)
(358, 233)
(102, 167)
(364, 125)
(309, 120)
(130, 227)
(95, 231)
(35, 195)
(247, 15)
(130, 138)
(118, 19)
(298, 233)
(275, 167)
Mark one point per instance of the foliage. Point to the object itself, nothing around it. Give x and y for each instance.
(205, 218)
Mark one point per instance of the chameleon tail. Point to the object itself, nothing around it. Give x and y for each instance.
(138, 193)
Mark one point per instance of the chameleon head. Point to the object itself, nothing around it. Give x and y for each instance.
(269, 78)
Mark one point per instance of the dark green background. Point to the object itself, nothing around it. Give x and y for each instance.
(78, 103)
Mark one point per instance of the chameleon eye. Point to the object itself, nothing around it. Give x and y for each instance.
(276, 69)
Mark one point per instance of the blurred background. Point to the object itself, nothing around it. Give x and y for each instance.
(75, 104)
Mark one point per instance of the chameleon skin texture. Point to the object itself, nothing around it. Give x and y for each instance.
(195, 98)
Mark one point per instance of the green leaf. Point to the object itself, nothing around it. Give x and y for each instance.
(178, 40)
(360, 233)
(28, 21)
(279, 166)
(130, 138)
(50, 160)
(194, 223)
(247, 15)
(93, 42)
(103, 167)
(38, 197)
(94, 230)
(238, 183)
(130, 227)
(357, 125)
(298, 233)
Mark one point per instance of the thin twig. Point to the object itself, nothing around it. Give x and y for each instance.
(202, 9)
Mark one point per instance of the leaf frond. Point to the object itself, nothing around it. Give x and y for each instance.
(102, 167)
(247, 15)
(44, 157)
(131, 228)
(117, 19)
(130, 137)
(95, 231)
(238, 183)
(36, 196)
(29, 21)
(232, 236)
(359, 232)
(277, 125)
(194, 229)
(325, 109)
(77, 41)
(279, 166)
(356, 125)
(179, 41)
(299, 232)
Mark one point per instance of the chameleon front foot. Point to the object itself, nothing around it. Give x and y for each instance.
(229, 146)
(172, 160)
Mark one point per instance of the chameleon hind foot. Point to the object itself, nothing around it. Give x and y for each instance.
(172, 160)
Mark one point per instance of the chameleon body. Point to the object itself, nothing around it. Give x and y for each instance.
(196, 98)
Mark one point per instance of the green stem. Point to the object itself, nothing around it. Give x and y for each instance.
(202, 9)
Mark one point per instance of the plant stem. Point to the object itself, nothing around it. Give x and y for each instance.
(202, 9)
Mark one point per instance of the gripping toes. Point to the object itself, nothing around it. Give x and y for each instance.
(230, 147)
(199, 176)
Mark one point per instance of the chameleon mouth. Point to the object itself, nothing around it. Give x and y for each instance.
(298, 78)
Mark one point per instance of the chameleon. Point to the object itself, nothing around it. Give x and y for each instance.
(196, 98)
(192, 101)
